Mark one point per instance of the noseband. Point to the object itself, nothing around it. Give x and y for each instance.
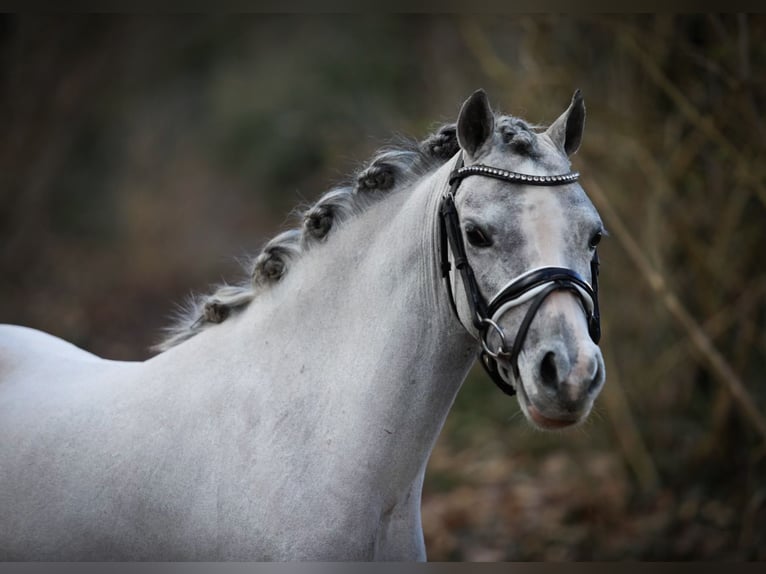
(533, 286)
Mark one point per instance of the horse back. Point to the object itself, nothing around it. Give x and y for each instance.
(22, 347)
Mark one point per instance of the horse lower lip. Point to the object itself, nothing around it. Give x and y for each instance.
(546, 422)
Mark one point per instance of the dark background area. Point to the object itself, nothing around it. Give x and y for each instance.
(140, 156)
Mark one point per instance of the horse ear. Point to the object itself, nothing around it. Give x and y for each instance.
(475, 124)
(566, 131)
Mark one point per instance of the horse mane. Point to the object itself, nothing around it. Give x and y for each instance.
(391, 168)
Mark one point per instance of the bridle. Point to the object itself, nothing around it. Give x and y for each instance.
(534, 285)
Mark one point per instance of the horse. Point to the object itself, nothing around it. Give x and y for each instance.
(291, 416)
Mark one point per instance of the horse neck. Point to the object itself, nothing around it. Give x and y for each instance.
(357, 341)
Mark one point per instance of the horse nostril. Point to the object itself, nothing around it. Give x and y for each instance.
(548, 371)
(596, 382)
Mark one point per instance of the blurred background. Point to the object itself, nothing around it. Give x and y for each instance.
(140, 157)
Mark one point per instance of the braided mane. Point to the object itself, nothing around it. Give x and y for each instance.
(389, 169)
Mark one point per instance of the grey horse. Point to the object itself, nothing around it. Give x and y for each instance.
(291, 417)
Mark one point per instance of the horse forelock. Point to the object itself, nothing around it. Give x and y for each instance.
(392, 168)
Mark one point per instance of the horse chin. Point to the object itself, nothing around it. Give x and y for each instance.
(546, 423)
(535, 415)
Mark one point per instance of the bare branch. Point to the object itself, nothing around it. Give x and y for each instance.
(708, 353)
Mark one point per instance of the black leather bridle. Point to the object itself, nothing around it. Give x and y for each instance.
(536, 284)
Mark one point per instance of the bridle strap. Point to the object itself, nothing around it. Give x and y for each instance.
(534, 279)
(546, 279)
(595, 320)
(453, 239)
(462, 172)
(521, 335)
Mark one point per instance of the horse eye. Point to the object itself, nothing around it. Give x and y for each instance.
(477, 237)
(595, 240)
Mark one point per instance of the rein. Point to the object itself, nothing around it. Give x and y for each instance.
(534, 285)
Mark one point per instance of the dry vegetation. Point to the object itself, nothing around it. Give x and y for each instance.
(140, 156)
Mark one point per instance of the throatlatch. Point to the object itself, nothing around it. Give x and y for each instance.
(534, 285)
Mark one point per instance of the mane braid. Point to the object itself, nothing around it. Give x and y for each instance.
(391, 168)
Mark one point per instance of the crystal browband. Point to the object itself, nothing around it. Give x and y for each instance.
(513, 176)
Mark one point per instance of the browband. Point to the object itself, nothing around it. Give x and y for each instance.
(513, 176)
